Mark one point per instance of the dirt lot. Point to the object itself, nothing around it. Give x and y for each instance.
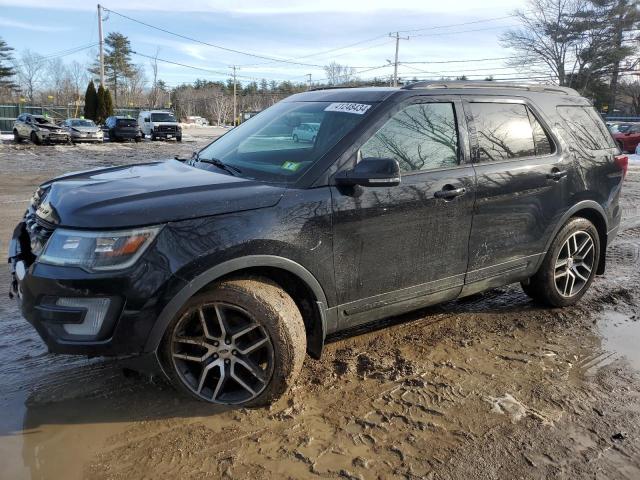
(492, 386)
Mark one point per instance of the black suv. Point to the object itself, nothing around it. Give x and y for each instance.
(229, 266)
(122, 128)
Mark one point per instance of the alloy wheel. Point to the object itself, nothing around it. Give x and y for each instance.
(221, 353)
(574, 264)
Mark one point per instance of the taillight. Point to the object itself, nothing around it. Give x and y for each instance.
(622, 162)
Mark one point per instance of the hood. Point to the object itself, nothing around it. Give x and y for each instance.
(48, 126)
(148, 194)
(95, 129)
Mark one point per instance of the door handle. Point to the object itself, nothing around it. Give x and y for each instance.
(448, 192)
(557, 174)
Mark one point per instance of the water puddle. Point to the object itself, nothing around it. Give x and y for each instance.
(620, 334)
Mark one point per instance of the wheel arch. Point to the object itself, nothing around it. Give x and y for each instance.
(292, 277)
(592, 211)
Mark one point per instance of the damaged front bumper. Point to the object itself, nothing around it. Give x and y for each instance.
(83, 313)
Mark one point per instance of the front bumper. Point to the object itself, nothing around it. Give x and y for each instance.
(78, 138)
(161, 134)
(49, 137)
(134, 299)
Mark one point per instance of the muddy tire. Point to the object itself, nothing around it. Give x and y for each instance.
(16, 137)
(569, 266)
(295, 138)
(34, 139)
(242, 342)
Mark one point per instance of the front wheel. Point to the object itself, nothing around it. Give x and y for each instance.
(16, 137)
(241, 343)
(179, 138)
(137, 139)
(569, 266)
(34, 139)
(295, 138)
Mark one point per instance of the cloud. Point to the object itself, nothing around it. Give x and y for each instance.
(274, 7)
(9, 23)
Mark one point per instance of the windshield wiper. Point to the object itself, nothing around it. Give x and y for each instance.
(220, 164)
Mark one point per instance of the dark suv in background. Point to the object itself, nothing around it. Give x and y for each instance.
(122, 128)
(229, 266)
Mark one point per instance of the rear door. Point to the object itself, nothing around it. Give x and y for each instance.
(401, 247)
(521, 191)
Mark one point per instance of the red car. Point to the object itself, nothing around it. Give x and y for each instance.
(629, 139)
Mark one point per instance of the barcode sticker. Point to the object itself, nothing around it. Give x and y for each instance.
(357, 108)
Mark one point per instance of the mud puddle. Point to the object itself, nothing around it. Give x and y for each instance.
(621, 335)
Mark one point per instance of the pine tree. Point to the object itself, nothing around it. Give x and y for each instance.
(101, 109)
(108, 103)
(91, 102)
(117, 62)
(6, 71)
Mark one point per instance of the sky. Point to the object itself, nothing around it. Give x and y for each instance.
(313, 33)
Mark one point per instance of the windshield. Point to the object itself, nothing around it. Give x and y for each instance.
(266, 148)
(42, 120)
(126, 122)
(163, 117)
(82, 123)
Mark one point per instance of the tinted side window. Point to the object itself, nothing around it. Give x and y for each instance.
(586, 127)
(503, 131)
(420, 137)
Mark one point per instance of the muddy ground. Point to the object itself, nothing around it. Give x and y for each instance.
(492, 386)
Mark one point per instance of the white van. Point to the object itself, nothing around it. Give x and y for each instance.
(159, 124)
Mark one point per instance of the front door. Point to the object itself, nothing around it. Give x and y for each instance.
(402, 247)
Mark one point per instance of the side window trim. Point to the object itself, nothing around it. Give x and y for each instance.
(473, 138)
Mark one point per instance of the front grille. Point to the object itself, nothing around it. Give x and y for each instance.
(167, 128)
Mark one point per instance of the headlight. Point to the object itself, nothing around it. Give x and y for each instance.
(97, 251)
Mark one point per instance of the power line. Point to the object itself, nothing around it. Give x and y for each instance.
(232, 50)
(458, 24)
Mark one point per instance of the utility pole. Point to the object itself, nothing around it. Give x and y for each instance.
(234, 96)
(309, 87)
(101, 45)
(395, 63)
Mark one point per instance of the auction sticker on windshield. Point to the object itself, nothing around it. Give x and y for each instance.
(357, 108)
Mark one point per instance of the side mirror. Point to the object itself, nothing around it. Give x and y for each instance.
(371, 172)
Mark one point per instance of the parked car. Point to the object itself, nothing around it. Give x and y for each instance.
(83, 130)
(39, 129)
(122, 128)
(628, 138)
(306, 132)
(159, 124)
(227, 267)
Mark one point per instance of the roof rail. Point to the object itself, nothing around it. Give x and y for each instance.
(433, 84)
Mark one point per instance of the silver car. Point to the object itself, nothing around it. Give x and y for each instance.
(305, 132)
(83, 130)
(39, 129)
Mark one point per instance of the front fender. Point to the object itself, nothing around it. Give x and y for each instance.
(218, 271)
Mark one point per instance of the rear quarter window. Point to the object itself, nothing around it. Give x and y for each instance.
(586, 127)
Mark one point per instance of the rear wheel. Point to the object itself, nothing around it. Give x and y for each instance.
(241, 343)
(569, 266)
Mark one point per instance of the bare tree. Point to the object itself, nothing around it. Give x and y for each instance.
(31, 69)
(338, 74)
(630, 94)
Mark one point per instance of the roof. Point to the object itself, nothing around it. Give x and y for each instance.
(378, 94)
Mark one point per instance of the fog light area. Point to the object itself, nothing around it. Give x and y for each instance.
(96, 311)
